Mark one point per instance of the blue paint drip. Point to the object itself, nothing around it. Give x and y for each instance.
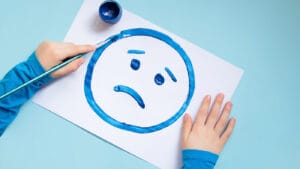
(122, 125)
(171, 74)
(132, 93)
(135, 51)
(159, 79)
(135, 64)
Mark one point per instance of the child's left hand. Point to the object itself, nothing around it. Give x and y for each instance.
(211, 130)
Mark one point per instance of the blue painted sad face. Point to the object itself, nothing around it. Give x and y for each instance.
(140, 80)
(135, 65)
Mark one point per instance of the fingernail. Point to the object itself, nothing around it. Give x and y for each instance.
(229, 104)
(233, 120)
(220, 97)
(186, 116)
(207, 97)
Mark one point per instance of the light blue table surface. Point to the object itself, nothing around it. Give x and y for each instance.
(260, 36)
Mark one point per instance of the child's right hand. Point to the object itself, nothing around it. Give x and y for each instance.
(51, 54)
(210, 131)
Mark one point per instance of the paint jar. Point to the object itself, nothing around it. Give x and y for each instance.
(110, 11)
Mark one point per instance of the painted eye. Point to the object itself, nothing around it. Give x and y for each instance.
(135, 64)
(159, 79)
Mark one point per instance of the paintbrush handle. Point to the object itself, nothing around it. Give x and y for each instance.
(53, 69)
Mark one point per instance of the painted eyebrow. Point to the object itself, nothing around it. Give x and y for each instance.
(136, 51)
(171, 74)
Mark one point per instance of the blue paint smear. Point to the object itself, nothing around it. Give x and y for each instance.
(135, 51)
(159, 79)
(132, 93)
(135, 64)
(170, 73)
(123, 125)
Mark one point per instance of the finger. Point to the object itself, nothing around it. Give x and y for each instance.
(227, 133)
(69, 50)
(221, 123)
(215, 110)
(203, 111)
(85, 48)
(71, 67)
(186, 127)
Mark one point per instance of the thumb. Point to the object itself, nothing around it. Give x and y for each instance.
(186, 127)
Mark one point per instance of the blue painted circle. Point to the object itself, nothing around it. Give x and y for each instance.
(123, 125)
(135, 64)
(159, 79)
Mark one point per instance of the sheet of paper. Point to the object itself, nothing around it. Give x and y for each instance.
(138, 87)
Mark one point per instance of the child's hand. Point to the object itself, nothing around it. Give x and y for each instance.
(51, 54)
(210, 131)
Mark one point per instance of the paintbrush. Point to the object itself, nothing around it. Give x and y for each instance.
(48, 72)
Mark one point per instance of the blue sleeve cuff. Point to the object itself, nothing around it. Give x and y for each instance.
(37, 69)
(193, 159)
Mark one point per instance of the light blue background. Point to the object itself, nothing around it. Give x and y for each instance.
(260, 36)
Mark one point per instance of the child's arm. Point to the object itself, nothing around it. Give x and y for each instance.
(47, 55)
(204, 140)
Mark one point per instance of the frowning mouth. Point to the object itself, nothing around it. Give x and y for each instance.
(132, 93)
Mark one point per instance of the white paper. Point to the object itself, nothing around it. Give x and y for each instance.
(66, 96)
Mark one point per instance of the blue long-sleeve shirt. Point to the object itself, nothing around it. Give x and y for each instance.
(21, 73)
(25, 71)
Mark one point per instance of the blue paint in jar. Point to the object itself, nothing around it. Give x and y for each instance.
(110, 11)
